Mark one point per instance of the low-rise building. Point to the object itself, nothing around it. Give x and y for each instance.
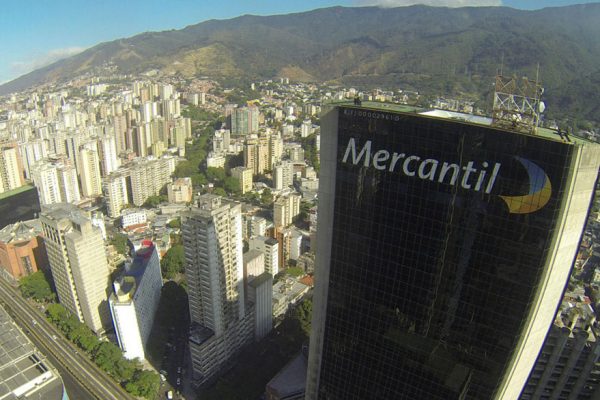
(180, 191)
(287, 293)
(22, 250)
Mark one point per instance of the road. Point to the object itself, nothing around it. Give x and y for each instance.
(65, 355)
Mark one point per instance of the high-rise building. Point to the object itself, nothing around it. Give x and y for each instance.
(244, 120)
(148, 176)
(244, 177)
(108, 154)
(135, 300)
(77, 259)
(568, 366)
(285, 209)
(221, 322)
(270, 248)
(91, 181)
(444, 249)
(68, 183)
(283, 175)
(256, 154)
(56, 181)
(45, 179)
(11, 170)
(116, 195)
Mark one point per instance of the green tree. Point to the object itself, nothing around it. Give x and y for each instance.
(266, 197)
(173, 262)
(120, 241)
(144, 383)
(106, 355)
(199, 179)
(37, 287)
(303, 314)
(174, 223)
(219, 191)
(88, 341)
(154, 201)
(215, 175)
(125, 369)
(56, 313)
(231, 184)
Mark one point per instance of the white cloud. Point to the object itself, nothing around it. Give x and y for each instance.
(36, 61)
(436, 3)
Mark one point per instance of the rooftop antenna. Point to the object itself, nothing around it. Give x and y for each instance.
(517, 103)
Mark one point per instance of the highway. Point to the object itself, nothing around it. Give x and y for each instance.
(88, 375)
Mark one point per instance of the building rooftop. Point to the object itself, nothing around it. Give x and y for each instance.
(24, 372)
(291, 380)
(259, 280)
(466, 118)
(20, 231)
(251, 255)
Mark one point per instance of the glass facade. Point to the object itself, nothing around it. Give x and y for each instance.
(440, 234)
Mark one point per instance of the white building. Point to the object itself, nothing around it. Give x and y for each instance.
(133, 216)
(108, 154)
(148, 176)
(91, 181)
(215, 160)
(285, 209)
(283, 175)
(114, 187)
(221, 322)
(134, 303)
(270, 247)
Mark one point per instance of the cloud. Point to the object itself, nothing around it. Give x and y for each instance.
(436, 3)
(18, 68)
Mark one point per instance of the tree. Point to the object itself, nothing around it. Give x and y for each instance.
(144, 383)
(266, 197)
(174, 223)
(215, 175)
(106, 355)
(121, 243)
(154, 201)
(125, 369)
(303, 314)
(37, 287)
(219, 191)
(231, 184)
(173, 262)
(56, 312)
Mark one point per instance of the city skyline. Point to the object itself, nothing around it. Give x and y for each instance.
(38, 36)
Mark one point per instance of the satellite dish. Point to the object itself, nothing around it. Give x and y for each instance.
(541, 107)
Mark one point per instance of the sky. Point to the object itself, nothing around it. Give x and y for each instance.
(35, 33)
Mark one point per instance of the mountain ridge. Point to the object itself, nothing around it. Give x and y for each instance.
(459, 48)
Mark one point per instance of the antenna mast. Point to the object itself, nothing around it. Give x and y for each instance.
(517, 103)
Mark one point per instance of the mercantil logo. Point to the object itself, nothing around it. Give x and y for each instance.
(469, 175)
(540, 190)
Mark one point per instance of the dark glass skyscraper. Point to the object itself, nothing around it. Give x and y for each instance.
(444, 248)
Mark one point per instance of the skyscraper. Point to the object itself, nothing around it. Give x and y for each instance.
(221, 324)
(135, 299)
(78, 263)
(444, 248)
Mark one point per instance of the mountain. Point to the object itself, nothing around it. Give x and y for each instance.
(446, 50)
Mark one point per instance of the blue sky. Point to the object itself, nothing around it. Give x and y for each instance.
(34, 33)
